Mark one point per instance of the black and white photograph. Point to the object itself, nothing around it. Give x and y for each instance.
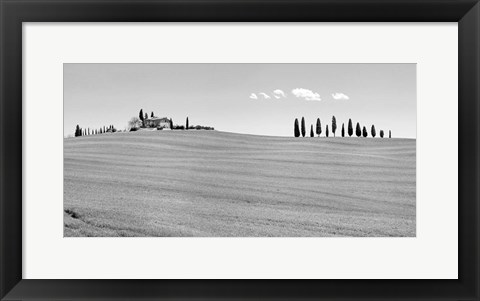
(239, 150)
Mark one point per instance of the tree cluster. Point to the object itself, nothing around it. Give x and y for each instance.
(299, 129)
(88, 132)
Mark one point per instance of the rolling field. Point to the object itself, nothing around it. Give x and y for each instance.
(210, 183)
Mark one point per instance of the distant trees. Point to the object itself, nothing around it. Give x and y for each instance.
(303, 127)
(299, 129)
(350, 128)
(334, 125)
(319, 127)
(171, 124)
(134, 123)
(389, 134)
(296, 128)
(186, 124)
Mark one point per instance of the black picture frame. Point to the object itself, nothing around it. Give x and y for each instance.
(14, 12)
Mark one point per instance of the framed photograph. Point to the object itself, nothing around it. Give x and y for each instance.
(239, 150)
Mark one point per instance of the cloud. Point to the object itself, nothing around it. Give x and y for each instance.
(264, 95)
(279, 93)
(306, 94)
(253, 96)
(338, 96)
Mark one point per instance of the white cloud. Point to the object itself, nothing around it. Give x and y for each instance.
(306, 94)
(279, 93)
(253, 96)
(338, 96)
(264, 95)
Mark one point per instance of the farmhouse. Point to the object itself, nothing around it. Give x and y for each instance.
(157, 122)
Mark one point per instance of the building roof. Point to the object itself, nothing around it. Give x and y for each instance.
(157, 118)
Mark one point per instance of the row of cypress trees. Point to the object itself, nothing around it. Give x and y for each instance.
(87, 132)
(300, 130)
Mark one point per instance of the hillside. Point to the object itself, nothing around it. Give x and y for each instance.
(210, 183)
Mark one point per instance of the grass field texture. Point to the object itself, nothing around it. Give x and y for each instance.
(210, 183)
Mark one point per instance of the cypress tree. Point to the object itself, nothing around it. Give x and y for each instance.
(296, 129)
(303, 127)
(343, 129)
(140, 115)
(381, 133)
(319, 127)
(186, 127)
(77, 131)
(326, 131)
(151, 115)
(334, 125)
(350, 128)
(389, 134)
(358, 131)
(365, 133)
(311, 131)
(374, 133)
(88, 131)
(171, 124)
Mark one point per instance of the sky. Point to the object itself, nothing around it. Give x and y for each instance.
(259, 99)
